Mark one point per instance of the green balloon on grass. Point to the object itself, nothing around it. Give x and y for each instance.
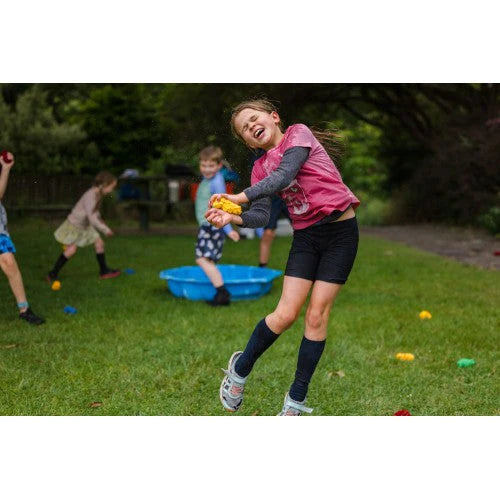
(465, 362)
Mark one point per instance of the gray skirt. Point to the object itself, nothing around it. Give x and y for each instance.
(68, 234)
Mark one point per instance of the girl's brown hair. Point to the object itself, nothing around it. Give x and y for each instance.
(102, 179)
(330, 139)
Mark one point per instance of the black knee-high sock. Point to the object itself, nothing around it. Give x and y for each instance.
(61, 260)
(261, 339)
(101, 258)
(310, 352)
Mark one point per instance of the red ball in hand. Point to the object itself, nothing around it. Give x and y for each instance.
(5, 156)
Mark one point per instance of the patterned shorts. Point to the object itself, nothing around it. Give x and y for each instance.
(210, 243)
(6, 244)
(68, 234)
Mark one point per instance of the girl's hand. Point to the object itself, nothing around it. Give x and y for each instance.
(110, 233)
(234, 235)
(235, 198)
(10, 160)
(218, 218)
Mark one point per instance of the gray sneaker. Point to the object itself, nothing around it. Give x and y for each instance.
(293, 408)
(232, 386)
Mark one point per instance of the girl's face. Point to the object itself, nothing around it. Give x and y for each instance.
(259, 129)
(109, 188)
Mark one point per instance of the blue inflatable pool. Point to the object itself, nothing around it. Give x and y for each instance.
(243, 282)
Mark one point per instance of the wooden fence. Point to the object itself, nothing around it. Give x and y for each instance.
(44, 192)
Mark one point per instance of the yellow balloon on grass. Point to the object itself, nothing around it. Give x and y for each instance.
(425, 315)
(405, 356)
(56, 285)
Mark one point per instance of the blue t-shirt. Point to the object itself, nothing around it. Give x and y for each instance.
(206, 189)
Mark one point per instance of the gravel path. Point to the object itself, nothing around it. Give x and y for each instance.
(472, 246)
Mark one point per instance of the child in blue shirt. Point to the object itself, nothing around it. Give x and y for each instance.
(211, 239)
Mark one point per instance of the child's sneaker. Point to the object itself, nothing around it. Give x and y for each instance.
(221, 298)
(31, 317)
(51, 278)
(232, 386)
(109, 273)
(293, 408)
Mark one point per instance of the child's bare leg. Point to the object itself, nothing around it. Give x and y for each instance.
(10, 268)
(293, 296)
(265, 246)
(99, 245)
(318, 311)
(211, 271)
(70, 251)
(313, 343)
(267, 330)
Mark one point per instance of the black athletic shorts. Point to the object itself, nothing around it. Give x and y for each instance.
(325, 252)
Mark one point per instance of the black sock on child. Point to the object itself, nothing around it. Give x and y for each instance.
(62, 259)
(310, 352)
(101, 258)
(222, 297)
(261, 339)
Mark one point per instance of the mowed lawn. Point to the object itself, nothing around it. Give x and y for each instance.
(134, 349)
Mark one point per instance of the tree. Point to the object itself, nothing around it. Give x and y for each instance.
(122, 120)
(38, 141)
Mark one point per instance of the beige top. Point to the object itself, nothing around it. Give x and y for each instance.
(83, 212)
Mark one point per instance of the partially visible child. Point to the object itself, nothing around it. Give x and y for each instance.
(81, 226)
(268, 232)
(7, 250)
(211, 239)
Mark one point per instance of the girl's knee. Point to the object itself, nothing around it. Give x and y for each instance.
(285, 317)
(8, 263)
(69, 251)
(268, 235)
(315, 318)
(99, 245)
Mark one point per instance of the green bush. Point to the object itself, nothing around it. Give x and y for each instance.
(38, 141)
(361, 168)
(491, 220)
(373, 211)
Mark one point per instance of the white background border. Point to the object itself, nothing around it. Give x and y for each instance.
(240, 458)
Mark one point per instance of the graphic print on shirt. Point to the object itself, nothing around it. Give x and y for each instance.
(295, 198)
(293, 195)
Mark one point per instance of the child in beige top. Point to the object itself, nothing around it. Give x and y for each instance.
(81, 226)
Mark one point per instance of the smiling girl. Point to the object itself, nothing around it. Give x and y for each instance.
(296, 166)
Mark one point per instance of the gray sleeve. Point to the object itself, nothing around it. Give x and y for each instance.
(258, 214)
(279, 179)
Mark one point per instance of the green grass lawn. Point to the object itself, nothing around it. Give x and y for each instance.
(139, 351)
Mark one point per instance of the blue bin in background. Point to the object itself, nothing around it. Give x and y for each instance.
(243, 282)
